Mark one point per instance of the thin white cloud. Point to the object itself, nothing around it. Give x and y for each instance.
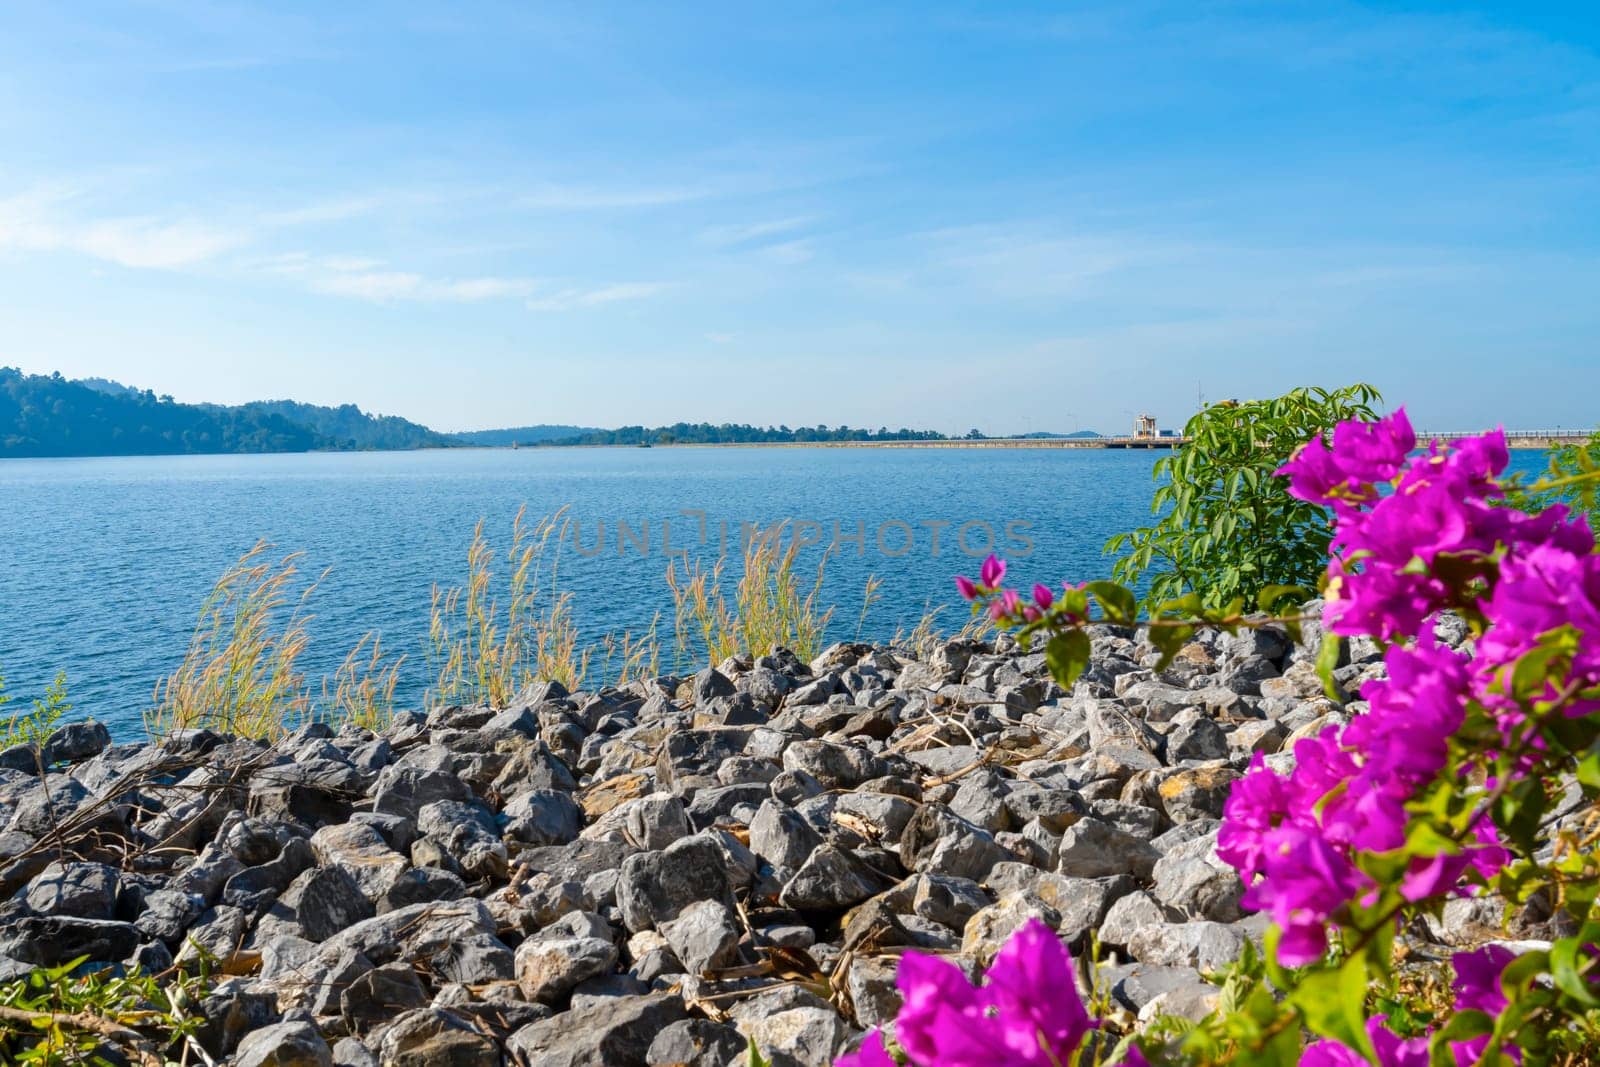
(589, 198)
(37, 222)
(579, 298)
(371, 279)
(748, 233)
(375, 281)
(790, 253)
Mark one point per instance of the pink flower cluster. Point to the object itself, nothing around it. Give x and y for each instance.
(1027, 1013)
(1477, 988)
(1413, 536)
(1007, 605)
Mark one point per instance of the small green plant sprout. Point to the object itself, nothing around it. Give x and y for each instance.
(34, 726)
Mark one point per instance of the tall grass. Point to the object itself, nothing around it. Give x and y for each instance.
(362, 689)
(241, 673)
(485, 648)
(770, 608)
(925, 636)
(509, 626)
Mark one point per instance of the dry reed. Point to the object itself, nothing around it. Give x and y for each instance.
(770, 610)
(363, 687)
(240, 674)
(483, 649)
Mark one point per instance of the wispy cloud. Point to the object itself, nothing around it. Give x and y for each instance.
(590, 198)
(38, 222)
(578, 298)
(372, 279)
(749, 233)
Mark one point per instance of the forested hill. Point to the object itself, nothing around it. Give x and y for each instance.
(350, 427)
(49, 415)
(543, 433)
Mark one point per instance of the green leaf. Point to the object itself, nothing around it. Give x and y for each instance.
(1067, 655)
(1565, 960)
(1328, 661)
(1272, 597)
(1117, 601)
(1333, 1003)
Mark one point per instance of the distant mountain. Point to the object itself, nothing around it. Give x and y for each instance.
(539, 434)
(51, 416)
(350, 427)
(48, 415)
(1041, 434)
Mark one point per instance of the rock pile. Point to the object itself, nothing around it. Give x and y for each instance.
(662, 873)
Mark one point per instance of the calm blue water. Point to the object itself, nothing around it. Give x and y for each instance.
(104, 562)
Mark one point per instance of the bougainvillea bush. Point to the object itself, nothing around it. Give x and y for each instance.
(1471, 771)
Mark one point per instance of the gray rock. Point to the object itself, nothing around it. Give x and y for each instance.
(43, 807)
(348, 1052)
(835, 766)
(361, 851)
(831, 879)
(48, 940)
(467, 831)
(873, 993)
(990, 928)
(372, 997)
(948, 900)
(1197, 794)
(656, 886)
(804, 1035)
(542, 817)
(326, 900)
(75, 742)
(1208, 946)
(84, 890)
(547, 971)
(404, 790)
(704, 936)
(696, 1043)
(656, 821)
(425, 1037)
(1128, 914)
(1198, 739)
(938, 840)
(781, 837)
(1094, 849)
(287, 1044)
(254, 888)
(616, 1032)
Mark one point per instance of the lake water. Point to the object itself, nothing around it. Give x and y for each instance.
(104, 562)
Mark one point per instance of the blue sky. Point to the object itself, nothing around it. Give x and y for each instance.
(1006, 216)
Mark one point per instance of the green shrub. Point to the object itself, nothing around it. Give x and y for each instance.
(52, 1016)
(1225, 527)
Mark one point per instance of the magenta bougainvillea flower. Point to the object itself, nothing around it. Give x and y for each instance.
(1392, 1050)
(1414, 534)
(870, 1054)
(1026, 1013)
